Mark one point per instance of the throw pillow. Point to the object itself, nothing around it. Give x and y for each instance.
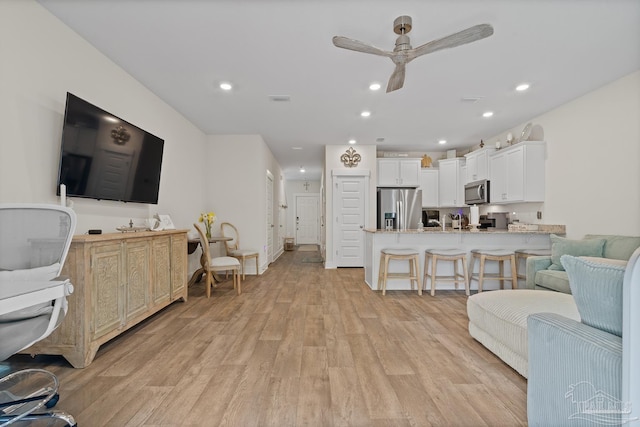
(597, 292)
(561, 246)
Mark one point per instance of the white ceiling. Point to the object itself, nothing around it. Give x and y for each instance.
(181, 50)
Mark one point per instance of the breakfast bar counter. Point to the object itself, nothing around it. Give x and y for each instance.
(436, 238)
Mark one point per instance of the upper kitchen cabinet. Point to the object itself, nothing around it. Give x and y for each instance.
(398, 172)
(477, 163)
(450, 185)
(429, 186)
(517, 173)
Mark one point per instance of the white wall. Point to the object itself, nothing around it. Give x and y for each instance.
(593, 162)
(42, 60)
(236, 191)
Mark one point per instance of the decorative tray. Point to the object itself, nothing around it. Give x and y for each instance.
(127, 229)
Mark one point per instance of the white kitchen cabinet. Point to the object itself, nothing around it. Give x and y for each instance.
(398, 172)
(517, 173)
(477, 163)
(450, 182)
(429, 186)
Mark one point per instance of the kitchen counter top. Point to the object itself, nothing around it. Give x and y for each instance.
(542, 229)
(462, 240)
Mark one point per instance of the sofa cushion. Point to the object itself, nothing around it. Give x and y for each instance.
(553, 280)
(561, 246)
(597, 291)
(617, 247)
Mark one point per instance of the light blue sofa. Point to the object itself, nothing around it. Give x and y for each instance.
(546, 272)
(580, 372)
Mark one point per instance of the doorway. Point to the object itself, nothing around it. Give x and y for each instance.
(270, 227)
(307, 217)
(349, 207)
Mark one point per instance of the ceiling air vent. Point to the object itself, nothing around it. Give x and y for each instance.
(280, 98)
(380, 139)
(471, 99)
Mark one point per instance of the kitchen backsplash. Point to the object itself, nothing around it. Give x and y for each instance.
(517, 212)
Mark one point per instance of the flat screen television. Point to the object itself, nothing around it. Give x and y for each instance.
(106, 158)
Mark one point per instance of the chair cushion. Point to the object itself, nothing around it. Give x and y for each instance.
(493, 252)
(46, 273)
(597, 291)
(561, 246)
(244, 252)
(401, 252)
(224, 262)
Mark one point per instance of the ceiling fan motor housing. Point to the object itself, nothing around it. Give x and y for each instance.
(402, 25)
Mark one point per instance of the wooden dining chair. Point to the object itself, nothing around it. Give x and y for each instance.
(221, 264)
(233, 246)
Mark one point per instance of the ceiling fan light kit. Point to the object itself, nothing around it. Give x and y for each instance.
(403, 53)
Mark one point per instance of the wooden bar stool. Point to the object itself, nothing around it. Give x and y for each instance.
(501, 256)
(413, 274)
(432, 256)
(522, 255)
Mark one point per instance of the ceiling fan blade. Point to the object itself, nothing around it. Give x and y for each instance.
(396, 81)
(358, 46)
(471, 34)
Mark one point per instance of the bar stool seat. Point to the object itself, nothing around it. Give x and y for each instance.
(523, 254)
(499, 255)
(432, 256)
(399, 254)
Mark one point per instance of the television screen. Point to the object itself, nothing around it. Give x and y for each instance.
(104, 157)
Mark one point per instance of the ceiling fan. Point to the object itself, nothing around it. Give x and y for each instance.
(403, 53)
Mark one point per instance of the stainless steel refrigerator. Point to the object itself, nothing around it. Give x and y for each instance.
(399, 207)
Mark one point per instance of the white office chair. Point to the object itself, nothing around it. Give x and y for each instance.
(34, 241)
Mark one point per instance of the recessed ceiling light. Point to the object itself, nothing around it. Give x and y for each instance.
(365, 113)
(374, 86)
(302, 169)
(352, 141)
(296, 148)
(442, 141)
(487, 114)
(522, 87)
(225, 86)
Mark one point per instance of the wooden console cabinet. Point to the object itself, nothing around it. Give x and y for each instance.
(119, 280)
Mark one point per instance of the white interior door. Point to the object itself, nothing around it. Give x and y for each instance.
(307, 219)
(349, 202)
(270, 227)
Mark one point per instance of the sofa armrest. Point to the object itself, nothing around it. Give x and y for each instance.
(535, 264)
(574, 369)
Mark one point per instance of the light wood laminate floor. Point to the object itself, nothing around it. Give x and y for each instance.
(302, 346)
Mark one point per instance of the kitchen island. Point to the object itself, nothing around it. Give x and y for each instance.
(436, 238)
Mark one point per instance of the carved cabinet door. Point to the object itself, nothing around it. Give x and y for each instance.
(107, 288)
(178, 266)
(161, 282)
(138, 265)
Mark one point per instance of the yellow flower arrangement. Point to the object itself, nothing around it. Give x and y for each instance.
(208, 219)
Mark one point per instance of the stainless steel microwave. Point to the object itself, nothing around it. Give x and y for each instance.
(477, 192)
